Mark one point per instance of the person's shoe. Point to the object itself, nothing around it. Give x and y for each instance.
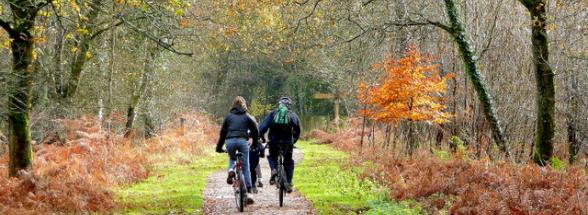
(288, 187)
(254, 190)
(272, 180)
(230, 177)
(259, 184)
(250, 200)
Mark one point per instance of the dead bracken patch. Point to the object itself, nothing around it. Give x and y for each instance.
(467, 186)
(77, 176)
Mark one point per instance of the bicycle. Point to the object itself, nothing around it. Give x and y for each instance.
(239, 184)
(281, 178)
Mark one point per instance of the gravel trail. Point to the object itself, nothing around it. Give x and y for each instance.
(219, 198)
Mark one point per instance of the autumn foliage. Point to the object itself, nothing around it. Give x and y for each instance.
(78, 176)
(411, 89)
(459, 184)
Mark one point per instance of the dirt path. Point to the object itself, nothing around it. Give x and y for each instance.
(219, 198)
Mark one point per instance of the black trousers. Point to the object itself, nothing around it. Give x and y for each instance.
(253, 163)
(274, 150)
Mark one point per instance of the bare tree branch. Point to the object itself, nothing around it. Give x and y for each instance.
(367, 2)
(99, 32)
(6, 26)
(159, 41)
(492, 30)
(57, 15)
(301, 3)
(305, 18)
(411, 23)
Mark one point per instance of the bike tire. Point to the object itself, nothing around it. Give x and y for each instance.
(282, 181)
(242, 193)
(282, 191)
(237, 190)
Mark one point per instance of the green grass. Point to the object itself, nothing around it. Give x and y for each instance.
(336, 190)
(173, 188)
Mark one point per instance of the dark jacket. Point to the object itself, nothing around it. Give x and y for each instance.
(280, 135)
(236, 125)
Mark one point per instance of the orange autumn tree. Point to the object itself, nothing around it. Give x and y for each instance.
(412, 89)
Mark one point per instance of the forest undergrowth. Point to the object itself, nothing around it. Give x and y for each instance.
(78, 174)
(456, 183)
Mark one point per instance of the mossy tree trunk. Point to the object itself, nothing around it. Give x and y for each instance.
(457, 30)
(80, 56)
(544, 80)
(24, 13)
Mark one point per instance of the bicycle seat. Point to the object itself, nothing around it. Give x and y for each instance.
(239, 154)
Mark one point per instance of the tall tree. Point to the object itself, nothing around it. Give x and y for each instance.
(571, 116)
(459, 34)
(88, 31)
(20, 29)
(143, 92)
(544, 80)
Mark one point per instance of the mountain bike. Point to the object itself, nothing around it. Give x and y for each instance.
(239, 186)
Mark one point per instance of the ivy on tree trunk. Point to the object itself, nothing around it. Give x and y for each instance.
(457, 30)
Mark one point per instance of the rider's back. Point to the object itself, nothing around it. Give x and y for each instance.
(287, 133)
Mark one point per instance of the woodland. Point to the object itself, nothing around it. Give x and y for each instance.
(456, 106)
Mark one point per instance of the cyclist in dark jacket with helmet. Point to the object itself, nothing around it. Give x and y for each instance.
(284, 131)
(235, 131)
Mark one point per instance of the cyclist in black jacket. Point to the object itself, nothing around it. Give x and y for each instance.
(283, 134)
(235, 131)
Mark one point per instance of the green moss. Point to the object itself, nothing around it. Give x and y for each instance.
(336, 190)
(558, 164)
(172, 188)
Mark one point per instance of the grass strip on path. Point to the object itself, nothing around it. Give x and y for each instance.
(333, 189)
(173, 188)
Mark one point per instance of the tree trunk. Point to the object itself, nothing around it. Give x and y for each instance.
(147, 114)
(144, 84)
(412, 145)
(571, 121)
(57, 74)
(19, 102)
(148, 117)
(459, 34)
(110, 106)
(80, 57)
(131, 110)
(544, 77)
(362, 130)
